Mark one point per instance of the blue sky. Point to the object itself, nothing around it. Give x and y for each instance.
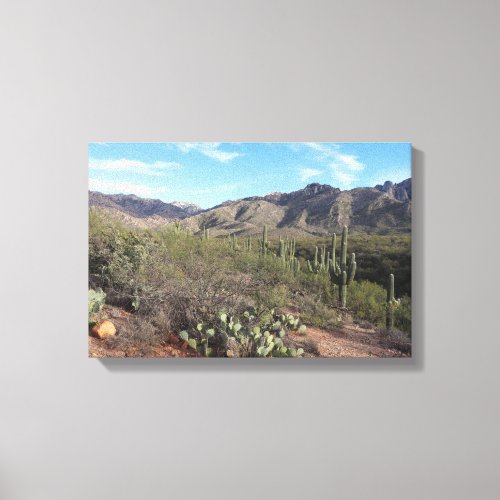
(208, 173)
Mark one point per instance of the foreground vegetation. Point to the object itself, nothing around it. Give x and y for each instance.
(229, 296)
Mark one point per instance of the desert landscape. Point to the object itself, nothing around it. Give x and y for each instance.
(316, 272)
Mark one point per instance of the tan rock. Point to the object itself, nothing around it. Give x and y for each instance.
(103, 329)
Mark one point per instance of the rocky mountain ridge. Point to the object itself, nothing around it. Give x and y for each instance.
(148, 212)
(316, 209)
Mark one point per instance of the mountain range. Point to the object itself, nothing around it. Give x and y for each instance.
(316, 209)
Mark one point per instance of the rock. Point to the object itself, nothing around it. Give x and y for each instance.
(103, 329)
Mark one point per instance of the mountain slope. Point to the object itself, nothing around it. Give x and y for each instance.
(316, 209)
(141, 212)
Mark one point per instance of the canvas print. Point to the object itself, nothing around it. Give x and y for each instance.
(249, 250)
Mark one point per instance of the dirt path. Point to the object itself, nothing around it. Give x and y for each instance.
(348, 341)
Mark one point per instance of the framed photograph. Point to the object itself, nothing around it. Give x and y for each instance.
(238, 250)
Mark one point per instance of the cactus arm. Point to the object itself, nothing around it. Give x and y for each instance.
(352, 269)
(343, 249)
(334, 244)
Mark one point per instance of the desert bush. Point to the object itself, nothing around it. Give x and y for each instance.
(396, 339)
(265, 272)
(311, 346)
(367, 300)
(315, 312)
(116, 255)
(137, 337)
(276, 296)
(204, 288)
(318, 286)
(95, 302)
(402, 315)
(364, 324)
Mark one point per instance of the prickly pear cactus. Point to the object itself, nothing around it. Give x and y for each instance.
(252, 336)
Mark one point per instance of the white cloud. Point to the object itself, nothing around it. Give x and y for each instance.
(323, 151)
(344, 169)
(156, 168)
(307, 173)
(117, 187)
(344, 179)
(344, 166)
(209, 149)
(350, 161)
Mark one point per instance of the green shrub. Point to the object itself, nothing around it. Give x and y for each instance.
(402, 315)
(318, 286)
(276, 296)
(367, 302)
(314, 312)
(116, 256)
(96, 302)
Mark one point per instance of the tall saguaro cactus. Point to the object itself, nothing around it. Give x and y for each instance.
(264, 244)
(391, 303)
(342, 274)
(321, 262)
(233, 241)
(286, 253)
(334, 245)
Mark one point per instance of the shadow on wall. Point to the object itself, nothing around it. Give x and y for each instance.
(363, 365)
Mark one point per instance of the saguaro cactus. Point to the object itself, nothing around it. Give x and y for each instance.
(391, 303)
(321, 261)
(281, 250)
(342, 274)
(286, 253)
(334, 246)
(264, 244)
(233, 241)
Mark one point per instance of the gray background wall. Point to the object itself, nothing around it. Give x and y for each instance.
(74, 72)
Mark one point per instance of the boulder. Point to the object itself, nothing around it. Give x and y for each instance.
(103, 329)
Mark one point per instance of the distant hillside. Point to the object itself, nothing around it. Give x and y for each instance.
(141, 212)
(316, 209)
